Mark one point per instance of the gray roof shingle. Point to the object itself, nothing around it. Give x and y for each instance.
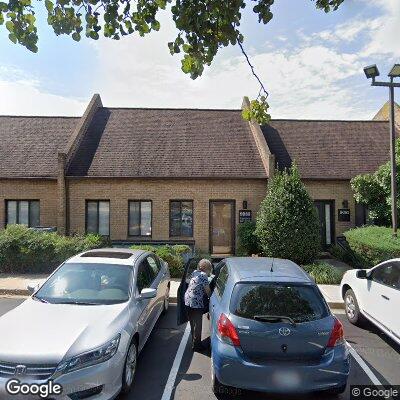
(329, 149)
(170, 143)
(29, 145)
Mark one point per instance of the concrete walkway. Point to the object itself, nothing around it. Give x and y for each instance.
(16, 285)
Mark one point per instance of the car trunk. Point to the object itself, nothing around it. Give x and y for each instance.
(264, 341)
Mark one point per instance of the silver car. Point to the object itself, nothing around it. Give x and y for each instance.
(84, 327)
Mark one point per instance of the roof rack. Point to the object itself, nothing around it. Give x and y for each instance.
(108, 254)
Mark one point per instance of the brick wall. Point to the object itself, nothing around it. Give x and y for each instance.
(119, 191)
(337, 191)
(31, 189)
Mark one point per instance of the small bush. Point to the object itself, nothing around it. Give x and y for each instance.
(324, 273)
(373, 244)
(173, 255)
(247, 240)
(287, 222)
(23, 250)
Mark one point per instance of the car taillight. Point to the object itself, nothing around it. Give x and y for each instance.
(337, 334)
(227, 330)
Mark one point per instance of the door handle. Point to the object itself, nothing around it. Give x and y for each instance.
(385, 297)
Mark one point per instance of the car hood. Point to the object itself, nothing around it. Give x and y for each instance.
(36, 332)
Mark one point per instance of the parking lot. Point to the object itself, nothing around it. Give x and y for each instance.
(169, 370)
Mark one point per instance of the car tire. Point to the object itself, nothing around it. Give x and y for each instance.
(130, 367)
(216, 386)
(336, 391)
(352, 309)
(166, 302)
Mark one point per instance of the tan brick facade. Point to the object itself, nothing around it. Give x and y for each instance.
(337, 191)
(44, 190)
(201, 191)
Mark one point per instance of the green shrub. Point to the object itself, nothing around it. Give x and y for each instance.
(23, 250)
(373, 244)
(287, 222)
(173, 255)
(247, 240)
(181, 249)
(324, 273)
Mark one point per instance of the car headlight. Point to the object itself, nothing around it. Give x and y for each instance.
(93, 357)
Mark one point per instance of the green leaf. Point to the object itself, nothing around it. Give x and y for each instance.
(76, 36)
(10, 26)
(49, 6)
(13, 38)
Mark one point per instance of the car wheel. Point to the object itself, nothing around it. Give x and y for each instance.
(166, 301)
(129, 367)
(216, 386)
(336, 391)
(352, 309)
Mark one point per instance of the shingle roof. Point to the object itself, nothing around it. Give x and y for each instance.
(329, 149)
(29, 145)
(172, 143)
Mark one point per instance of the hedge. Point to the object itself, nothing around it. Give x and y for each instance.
(373, 244)
(247, 240)
(23, 250)
(173, 255)
(324, 273)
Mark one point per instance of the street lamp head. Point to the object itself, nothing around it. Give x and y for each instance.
(371, 71)
(395, 71)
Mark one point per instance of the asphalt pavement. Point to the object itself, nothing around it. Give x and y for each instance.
(167, 359)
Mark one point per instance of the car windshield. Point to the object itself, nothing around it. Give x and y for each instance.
(298, 303)
(87, 284)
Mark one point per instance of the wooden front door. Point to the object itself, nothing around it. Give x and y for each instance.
(222, 227)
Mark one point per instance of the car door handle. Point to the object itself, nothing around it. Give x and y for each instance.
(385, 297)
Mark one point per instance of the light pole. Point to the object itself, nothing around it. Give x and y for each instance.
(372, 72)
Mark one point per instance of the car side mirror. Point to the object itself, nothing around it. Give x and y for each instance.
(362, 274)
(148, 293)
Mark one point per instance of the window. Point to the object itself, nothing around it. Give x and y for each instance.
(145, 276)
(24, 212)
(301, 303)
(153, 265)
(221, 281)
(139, 218)
(388, 274)
(181, 218)
(98, 217)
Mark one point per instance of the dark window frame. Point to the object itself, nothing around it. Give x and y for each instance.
(140, 217)
(170, 218)
(381, 267)
(97, 216)
(18, 201)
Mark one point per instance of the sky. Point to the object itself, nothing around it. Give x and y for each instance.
(310, 62)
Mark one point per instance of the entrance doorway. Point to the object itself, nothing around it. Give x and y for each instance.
(222, 227)
(326, 215)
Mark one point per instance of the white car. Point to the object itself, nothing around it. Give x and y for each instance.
(374, 294)
(84, 327)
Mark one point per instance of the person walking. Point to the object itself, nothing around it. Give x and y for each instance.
(196, 300)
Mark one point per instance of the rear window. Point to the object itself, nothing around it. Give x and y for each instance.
(300, 302)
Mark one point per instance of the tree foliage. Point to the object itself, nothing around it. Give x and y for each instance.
(374, 190)
(287, 222)
(204, 26)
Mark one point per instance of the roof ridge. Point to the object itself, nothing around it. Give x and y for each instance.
(173, 109)
(40, 116)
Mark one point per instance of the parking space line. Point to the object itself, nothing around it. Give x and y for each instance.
(364, 366)
(176, 364)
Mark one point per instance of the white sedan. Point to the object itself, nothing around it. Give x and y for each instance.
(84, 327)
(374, 294)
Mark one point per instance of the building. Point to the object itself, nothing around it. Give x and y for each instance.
(175, 175)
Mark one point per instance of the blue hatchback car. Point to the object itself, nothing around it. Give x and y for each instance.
(272, 331)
